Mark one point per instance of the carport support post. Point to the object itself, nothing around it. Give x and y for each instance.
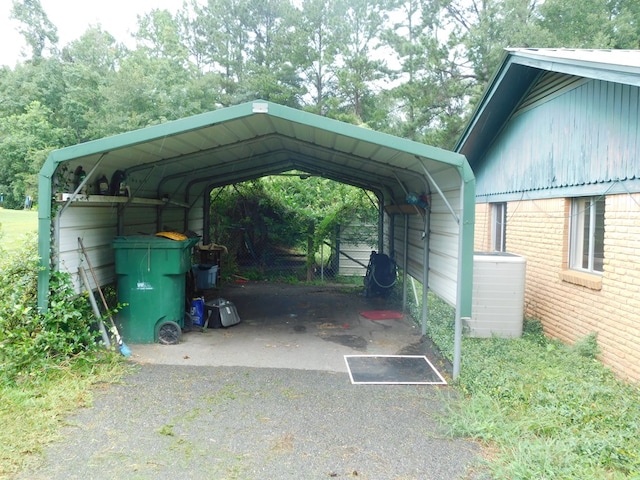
(311, 258)
(464, 287)
(381, 227)
(425, 262)
(464, 284)
(44, 231)
(405, 262)
(206, 216)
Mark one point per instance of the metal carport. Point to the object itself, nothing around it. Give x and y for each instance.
(171, 168)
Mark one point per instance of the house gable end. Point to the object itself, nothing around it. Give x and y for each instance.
(568, 132)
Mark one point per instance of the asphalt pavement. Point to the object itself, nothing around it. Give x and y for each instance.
(201, 422)
(269, 398)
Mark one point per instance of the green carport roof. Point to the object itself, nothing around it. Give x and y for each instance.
(256, 139)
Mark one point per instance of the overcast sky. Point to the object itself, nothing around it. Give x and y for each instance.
(72, 17)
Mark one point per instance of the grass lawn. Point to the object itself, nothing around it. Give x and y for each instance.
(14, 224)
(33, 412)
(543, 409)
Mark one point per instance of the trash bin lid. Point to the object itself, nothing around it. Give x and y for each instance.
(151, 241)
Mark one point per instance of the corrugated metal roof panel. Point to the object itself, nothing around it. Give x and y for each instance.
(616, 58)
(519, 72)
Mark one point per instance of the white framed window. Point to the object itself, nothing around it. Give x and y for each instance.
(586, 247)
(498, 226)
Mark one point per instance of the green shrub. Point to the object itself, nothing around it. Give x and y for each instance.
(48, 362)
(30, 340)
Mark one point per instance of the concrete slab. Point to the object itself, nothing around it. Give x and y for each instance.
(289, 326)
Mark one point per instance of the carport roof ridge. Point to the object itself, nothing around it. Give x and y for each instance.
(220, 116)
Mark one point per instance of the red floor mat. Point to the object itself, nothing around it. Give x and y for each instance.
(381, 314)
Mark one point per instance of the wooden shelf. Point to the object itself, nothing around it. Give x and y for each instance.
(101, 199)
(405, 209)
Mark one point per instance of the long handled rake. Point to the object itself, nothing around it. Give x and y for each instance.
(124, 349)
(96, 311)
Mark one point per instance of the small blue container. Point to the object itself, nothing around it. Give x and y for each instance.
(197, 312)
(206, 276)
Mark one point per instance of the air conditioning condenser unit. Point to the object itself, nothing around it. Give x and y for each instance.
(498, 295)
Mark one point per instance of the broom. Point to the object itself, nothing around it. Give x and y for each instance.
(124, 349)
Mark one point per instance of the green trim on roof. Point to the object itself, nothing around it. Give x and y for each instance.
(148, 134)
(245, 110)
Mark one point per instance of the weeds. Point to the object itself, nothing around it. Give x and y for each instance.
(32, 413)
(548, 409)
(48, 362)
(31, 340)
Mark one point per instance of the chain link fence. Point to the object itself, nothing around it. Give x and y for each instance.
(306, 260)
(287, 229)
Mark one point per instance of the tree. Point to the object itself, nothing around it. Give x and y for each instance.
(89, 65)
(330, 57)
(592, 23)
(159, 36)
(627, 25)
(402, 38)
(28, 82)
(271, 73)
(487, 27)
(152, 84)
(320, 33)
(431, 95)
(362, 67)
(36, 28)
(220, 40)
(25, 142)
(146, 91)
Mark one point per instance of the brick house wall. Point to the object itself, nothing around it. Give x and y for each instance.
(482, 232)
(571, 305)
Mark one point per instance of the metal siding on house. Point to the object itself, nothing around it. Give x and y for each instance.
(588, 134)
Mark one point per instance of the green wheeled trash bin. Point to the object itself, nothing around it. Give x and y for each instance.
(151, 284)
